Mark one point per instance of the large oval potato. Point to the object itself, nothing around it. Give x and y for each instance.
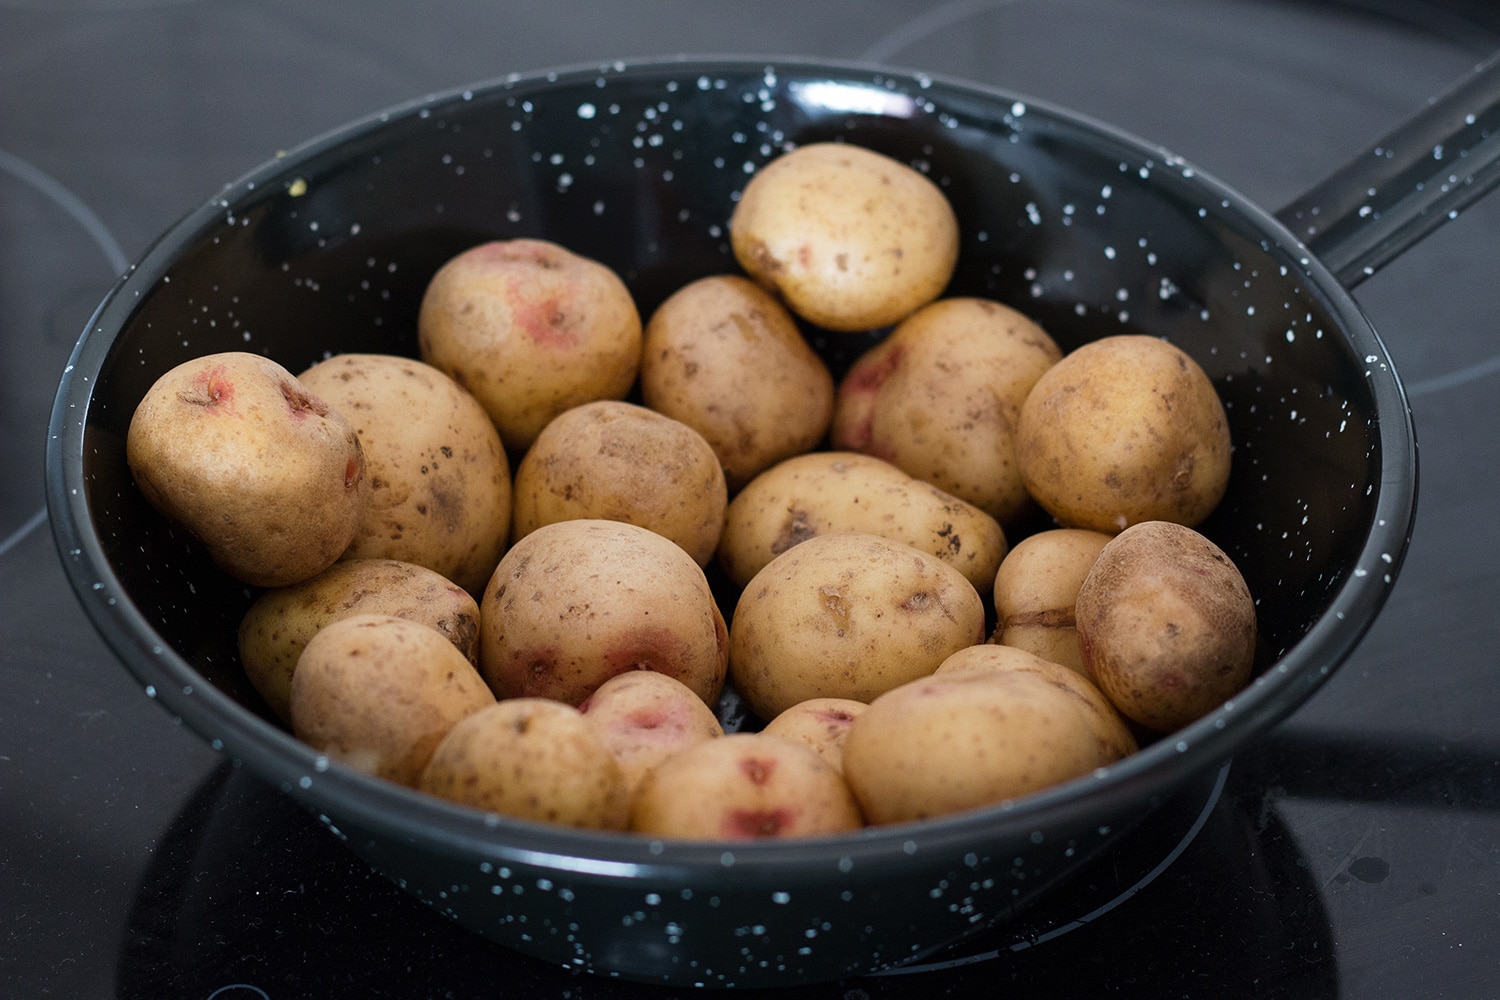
(278, 625)
(849, 238)
(847, 615)
(1036, 588)
(1123, 430)
(576, 602)
(723, 356)
(531, 329)
(941, 397)
(253, 463)
(439, 477)
(617, 461)
(824, 492)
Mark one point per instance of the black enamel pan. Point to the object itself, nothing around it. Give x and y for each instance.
(1090, 231)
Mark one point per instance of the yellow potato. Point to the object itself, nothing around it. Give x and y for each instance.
(1124, 430)
(531, 329)
(725, 357)
(440, 479)
(644, 717)
(279, 624)
(849, 238)
(820, 723)
(531, 758)
(621, 462)
(847, 615)
(1036, 588)
(941, 396)
(380, 693)
(824, 492)
(575, 603)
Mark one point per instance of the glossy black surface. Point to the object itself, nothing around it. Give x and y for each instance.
(1372, 810)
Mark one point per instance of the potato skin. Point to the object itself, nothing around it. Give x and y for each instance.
(1167, 625)
(847, 615)
(1123, 430)
(824, 492)
(532, 758)
(643, 717)
(531, 329)
(820, 723)
(941, 397)
(259, 468)
(575, 603)
(849, 238)
(379, 693)
(723, 356)
(277, 627)
(440, 479)
(1036, 588)
(617, 461)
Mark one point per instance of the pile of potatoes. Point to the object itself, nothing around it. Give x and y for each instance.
(498, 573)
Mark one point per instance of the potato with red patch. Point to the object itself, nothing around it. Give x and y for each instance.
(849, 238)
(1167, 625)
(621, 462)
(440, 479)
(1035, 590)
(820, 723)
(847, 615)
(534, 759)
(644, 717)
(746, 786)
(941, 396)
(575, 603)
(268, 476)
(530, 329)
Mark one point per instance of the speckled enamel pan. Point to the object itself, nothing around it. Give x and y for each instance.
(1091, 231)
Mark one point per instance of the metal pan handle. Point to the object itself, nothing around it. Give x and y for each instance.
(1407, 184)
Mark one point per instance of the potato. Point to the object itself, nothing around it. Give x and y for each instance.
(644, 717)
(847, 615)
(1035, 590)
(726, 358)
(575, 603)
(1167, 625)
(440, 480)
(621, 462)
(946, 744)
(849, 238)
(1114, 737)
(279, 624)
(941, 396)
(824, 492)
(1124, 430)
(532, 758)
(268, 476)
(820, 723)
(531, 329)
(746, 786)
(379, 693)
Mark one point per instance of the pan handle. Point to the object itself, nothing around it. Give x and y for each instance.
(1404, 186)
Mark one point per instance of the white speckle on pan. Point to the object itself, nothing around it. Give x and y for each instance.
(909, 847)
(1109, 253)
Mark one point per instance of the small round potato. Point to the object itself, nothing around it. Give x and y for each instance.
(531, 329)
(621, 462)
(849, 238)
(821, 723)
(824, 492)
(532, 758)
(644, 717)
(576, 602)
(941, 396)
(946, 744)
(260, 469)
(726, 358)
(847, 615)
(1167, 625)
(440, 480)
(1036, 588)
(746, 786)
(1124, 430)
(279, 624)
(379, 693)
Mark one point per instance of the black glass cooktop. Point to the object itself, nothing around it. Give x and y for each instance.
(1354, 853)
